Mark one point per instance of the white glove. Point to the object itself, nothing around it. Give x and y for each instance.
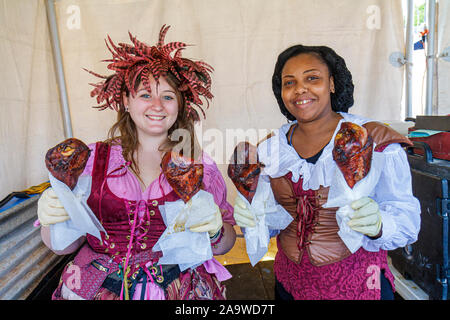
(242, 214)
(212, 224)
(366, 218)
(50, 209)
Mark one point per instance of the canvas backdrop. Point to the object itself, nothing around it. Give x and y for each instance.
(30, 119)
(240, 39)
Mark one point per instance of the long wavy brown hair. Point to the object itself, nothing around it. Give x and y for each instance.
(124, 131)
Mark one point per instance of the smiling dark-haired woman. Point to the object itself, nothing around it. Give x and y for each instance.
(314, 90)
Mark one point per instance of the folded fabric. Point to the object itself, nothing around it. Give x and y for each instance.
(268, 214)
(178, 244)
(422, 133)
(341, 195)
(82, 219)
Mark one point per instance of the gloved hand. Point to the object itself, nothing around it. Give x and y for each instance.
(212, 224)
(50, 209)
(242, 215)
(366, 218)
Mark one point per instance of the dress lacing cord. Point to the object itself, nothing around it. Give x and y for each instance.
(306, 205)
(150, 275)
(139, 236)
(144, 229)
(306, 210)
(140, 204)
(134, 236)
(126, 269)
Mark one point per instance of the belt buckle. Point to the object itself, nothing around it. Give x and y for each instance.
(99, 266)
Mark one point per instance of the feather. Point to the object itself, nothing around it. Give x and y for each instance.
(131, 60)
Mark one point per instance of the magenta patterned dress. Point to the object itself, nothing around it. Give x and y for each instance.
(356, 277)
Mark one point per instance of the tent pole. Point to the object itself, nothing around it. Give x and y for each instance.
(51, 17)
(409, 58)
(430, 56)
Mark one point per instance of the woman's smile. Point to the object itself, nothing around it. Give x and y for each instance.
(303, 103)
(155, 117)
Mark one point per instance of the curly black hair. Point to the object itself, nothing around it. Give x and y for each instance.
(341, 100)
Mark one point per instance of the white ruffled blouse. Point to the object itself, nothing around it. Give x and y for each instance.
(400, 210)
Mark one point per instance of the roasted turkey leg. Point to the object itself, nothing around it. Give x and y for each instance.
(183, 174)
(244, 169)
(67, 160)
(353, 152)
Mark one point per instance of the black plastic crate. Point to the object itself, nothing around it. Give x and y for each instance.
(425, 262)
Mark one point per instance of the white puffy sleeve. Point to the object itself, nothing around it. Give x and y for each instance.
(400, 210)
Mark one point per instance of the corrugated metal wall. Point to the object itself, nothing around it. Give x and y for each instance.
(24, 259)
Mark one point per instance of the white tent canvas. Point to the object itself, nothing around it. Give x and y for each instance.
(240, 39)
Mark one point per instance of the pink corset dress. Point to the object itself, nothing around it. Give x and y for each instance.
(134, 224)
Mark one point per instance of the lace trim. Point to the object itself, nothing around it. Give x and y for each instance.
(280, 158)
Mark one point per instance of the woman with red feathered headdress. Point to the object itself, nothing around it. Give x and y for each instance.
(154, 91)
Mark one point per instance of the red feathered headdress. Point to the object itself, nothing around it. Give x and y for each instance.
(130, 61)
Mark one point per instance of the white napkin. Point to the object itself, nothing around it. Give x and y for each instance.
(268, 214)
(82, 219)
(341, 195)
(180, 245)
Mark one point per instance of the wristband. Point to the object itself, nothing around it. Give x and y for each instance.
(215, 239)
